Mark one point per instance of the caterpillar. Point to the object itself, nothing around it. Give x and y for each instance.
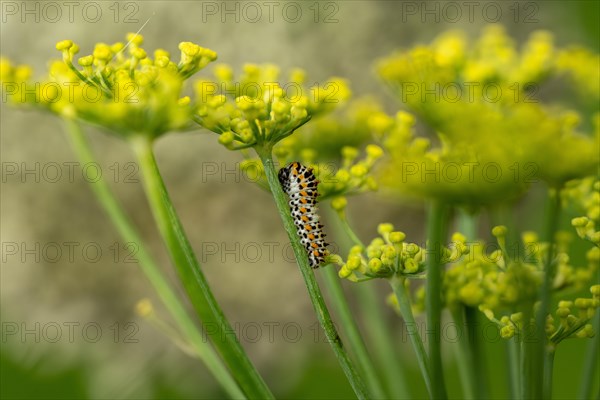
(300, 184)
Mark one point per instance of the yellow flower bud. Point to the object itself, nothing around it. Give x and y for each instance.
(529, 237)
(298, 113)
(64, 45)
(499, 231)
(356, 249)
(102, 52)
(563, 312)
(358, 170)
(144, 308)
(280, 107)
(349, 153)
(375, 265)
(139, 53)
(342, 176)
(411, 266)
(135, 39)
(86, 61)
(405, 119)
(397, 237)
(353, 262)
(226, 138)
(344, 272)
(507, 331)
(565, 304)
(385, 228)
(339, 203)
(374, 252)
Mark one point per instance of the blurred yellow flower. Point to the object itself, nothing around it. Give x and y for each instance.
(494, 137)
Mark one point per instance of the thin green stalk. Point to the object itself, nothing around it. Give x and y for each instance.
(477, 353)
(512, 349)
(502, 215)
(152, 271)
(375, 321)
(436, 234)
(476, 367)
(314, 292)
(590, 364)
(538, 366)
(548, 369)
(468, 223)
(397, 283)
(527, 362)
(464, 356)
(382, 341)
(191, 275)
(348, 323)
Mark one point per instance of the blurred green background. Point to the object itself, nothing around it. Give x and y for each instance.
(69, 329)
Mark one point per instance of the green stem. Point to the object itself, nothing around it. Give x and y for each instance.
(376, 324)
(512, 346)
(348, 323)
(383, 343)
(464, 356)
(191, 275)
(502, 215)
(436, 234)
(475, 366)
(477, 353)
(468, 223)
(539, 345)
(590, 364)
(152, 271)
(397, 283)
(314, 292)
(348, 230)
(527, 363)
(548, 369)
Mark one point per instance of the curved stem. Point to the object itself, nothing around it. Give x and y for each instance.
(191, 276)
(152, 271)
(436, 233)
(397, 284)
(314, 292)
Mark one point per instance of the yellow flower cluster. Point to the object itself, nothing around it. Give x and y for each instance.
(353, 176)
(118, 86)
(494, 135)
(257, 109)
(585, 194)
(327, 135)
(581, 66)
(384, 257)
(570, 324)
(503, 281)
